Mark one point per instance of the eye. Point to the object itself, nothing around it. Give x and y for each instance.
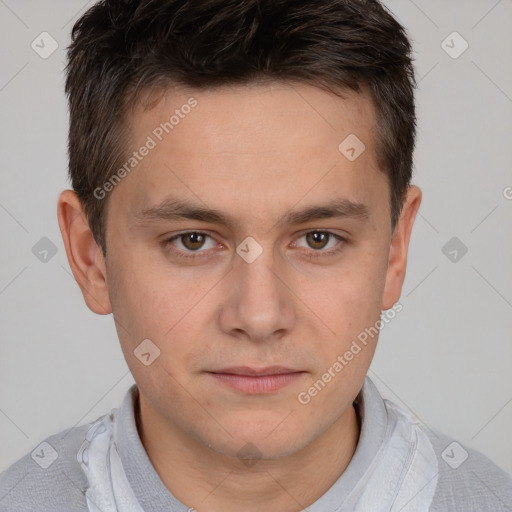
(323, 243)
(320, 239)
(192, 241)
(195, 244)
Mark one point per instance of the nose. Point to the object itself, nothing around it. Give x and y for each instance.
(259, 304)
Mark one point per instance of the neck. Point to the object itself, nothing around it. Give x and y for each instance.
(208, 481)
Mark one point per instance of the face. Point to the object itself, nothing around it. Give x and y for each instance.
(245, 238)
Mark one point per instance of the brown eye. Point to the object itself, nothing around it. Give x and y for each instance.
(318, 239)
(192, 241)
(321, 244)
(191, 245)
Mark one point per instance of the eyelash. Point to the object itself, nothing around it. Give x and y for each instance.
(313, 254)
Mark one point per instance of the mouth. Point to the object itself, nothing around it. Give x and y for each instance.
(256, 381)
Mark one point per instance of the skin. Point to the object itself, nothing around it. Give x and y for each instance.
(255, 153)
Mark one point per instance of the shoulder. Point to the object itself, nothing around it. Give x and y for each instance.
(47, 478)
(468, 480)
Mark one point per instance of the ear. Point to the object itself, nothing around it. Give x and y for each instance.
(397, 263)
(84, 255)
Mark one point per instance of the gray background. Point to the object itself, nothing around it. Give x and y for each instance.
(446, 356)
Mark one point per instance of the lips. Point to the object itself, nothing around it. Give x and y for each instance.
(255, 372)
(256, 381)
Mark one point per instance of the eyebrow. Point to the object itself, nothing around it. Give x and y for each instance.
(176, 209)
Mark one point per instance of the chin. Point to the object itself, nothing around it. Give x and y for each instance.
(272, 439)
(250, 451)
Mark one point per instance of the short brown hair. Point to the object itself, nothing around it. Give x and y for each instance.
(122, 47)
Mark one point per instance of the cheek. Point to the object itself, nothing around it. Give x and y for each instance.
(351, 308)
(352, 298)
(146, 308)
(138, 288)
(140, 299)
(151, 302)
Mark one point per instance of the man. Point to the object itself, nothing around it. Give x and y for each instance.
(242, 206)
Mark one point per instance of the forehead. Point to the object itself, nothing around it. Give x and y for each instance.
(256, 117)
(251, 147)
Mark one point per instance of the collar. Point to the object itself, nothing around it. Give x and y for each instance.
(153, 496)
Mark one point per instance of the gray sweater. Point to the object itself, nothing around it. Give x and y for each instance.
(474, 485)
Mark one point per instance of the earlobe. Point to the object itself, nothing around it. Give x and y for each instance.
(84, 255)
(397, 264)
